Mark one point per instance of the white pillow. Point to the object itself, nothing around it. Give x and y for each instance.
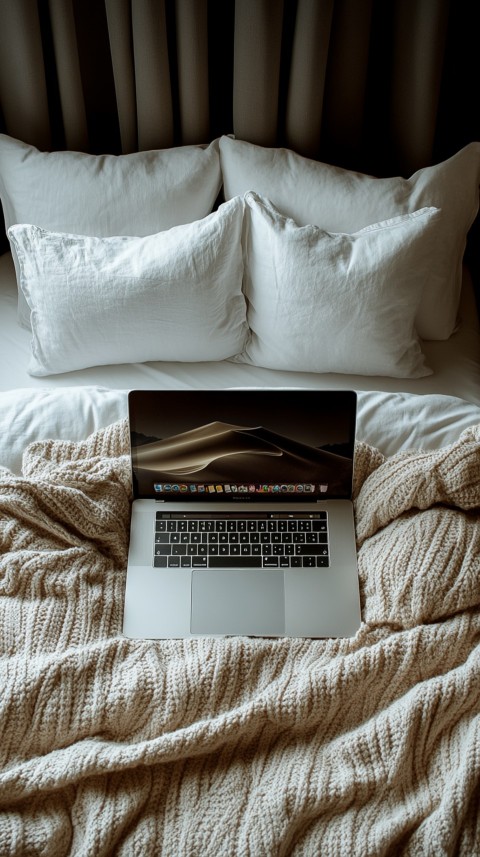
(174, 296)
(324, 302)
(342, 201)
(106, 195)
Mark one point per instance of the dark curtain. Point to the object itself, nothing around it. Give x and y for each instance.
(382, 86)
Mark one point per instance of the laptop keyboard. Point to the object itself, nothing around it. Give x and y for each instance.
(263, 540)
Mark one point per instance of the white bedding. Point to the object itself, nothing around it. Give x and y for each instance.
(390, 421)
(393, 414)
(455, 362)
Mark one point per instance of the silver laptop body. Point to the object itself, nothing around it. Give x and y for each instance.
(242, 519)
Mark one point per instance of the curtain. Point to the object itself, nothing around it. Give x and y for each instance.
(378, 85)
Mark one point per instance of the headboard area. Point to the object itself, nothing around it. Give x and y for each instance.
(383, 87)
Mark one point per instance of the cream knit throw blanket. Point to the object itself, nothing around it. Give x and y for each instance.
(365, 746)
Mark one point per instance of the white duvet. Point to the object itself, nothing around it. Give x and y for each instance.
(391, 422)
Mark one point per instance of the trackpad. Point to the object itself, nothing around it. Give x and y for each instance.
(238, 601)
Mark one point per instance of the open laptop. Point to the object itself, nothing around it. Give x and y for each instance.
(242, 519)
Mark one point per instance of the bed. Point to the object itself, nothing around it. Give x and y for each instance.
(281, 259)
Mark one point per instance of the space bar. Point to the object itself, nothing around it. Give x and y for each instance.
(235, 562)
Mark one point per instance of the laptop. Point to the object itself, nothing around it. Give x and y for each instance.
(242, 518)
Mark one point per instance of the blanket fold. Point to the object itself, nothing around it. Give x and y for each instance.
(369, 745)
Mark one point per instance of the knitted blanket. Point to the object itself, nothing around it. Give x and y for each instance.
(362, 746)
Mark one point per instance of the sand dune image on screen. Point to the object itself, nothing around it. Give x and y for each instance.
(219, 451)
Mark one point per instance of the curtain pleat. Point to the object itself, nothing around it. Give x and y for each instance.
(152, 75)
(192, 68)
(310, 57)
(367, 84)
(23, 89)
(419, 47)
(119, 22)
(68, 74)
(257, 54)
(347, 80)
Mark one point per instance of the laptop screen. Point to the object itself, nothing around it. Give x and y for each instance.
(242, 445)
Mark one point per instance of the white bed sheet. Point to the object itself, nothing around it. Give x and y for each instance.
(392, 415)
